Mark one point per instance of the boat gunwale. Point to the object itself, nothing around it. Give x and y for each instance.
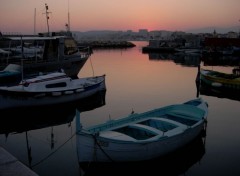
(133, 118)
(157, 138)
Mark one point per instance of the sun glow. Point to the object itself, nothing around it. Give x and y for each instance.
(119, 15)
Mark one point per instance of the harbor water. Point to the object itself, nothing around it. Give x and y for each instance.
(44, 138)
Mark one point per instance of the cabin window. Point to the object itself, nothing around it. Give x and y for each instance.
(70, 46)
(56, 85)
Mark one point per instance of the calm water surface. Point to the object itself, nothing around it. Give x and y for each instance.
(45, 138)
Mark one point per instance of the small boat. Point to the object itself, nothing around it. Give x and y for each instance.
(10, 74)
(219, 80)
(49, 89)
(144, 136)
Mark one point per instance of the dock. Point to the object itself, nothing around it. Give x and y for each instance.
(11, 166)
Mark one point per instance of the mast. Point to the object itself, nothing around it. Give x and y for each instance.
(239, 31)
(68, 17)
(68, 23)
(34, 29)
(47, 17)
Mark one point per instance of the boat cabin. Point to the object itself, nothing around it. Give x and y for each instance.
(41, 48)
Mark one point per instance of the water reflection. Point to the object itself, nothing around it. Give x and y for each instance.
(221, 61)
(21, 125)
(21, 120)
(17, 120)
(194, 59)
(176, 163)
(190, 60)
(204, 89)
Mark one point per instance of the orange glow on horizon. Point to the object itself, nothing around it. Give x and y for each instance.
(119, 15)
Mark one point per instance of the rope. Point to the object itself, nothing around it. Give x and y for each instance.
(95, 139)
(53, 151)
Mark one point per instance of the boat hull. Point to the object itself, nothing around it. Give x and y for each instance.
(176, 163)
(10, 79)
(107, 151)
(11, 99)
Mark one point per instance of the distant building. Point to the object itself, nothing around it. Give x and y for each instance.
(162, 35)
(143, 32)
(232, 34)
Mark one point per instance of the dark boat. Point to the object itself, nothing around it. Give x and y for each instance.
(44, 54)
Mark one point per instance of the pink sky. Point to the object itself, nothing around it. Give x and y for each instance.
(85, 15)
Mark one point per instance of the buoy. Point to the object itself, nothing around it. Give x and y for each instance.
(56, 93)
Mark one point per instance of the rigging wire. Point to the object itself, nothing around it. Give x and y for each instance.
(91, 65)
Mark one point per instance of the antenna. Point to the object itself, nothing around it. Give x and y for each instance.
(239, 31)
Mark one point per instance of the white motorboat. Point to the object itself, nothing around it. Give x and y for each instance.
(48, 89)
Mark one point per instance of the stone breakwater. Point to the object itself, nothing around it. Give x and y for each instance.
(107, 44)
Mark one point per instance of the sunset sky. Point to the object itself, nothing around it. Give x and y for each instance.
(85, 15)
